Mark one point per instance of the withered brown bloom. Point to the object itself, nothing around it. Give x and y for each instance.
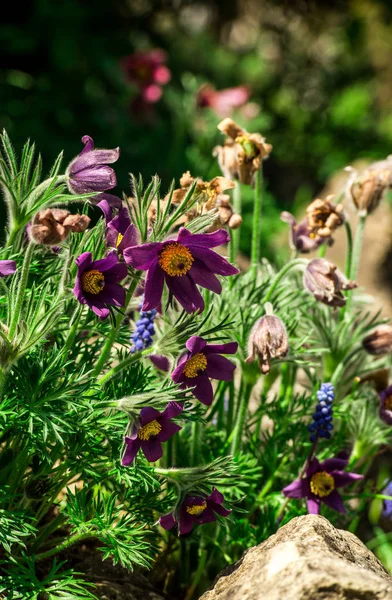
(242, 153)
(324, 217)
(379, 341)
(210, 195)
(367, 188)
(326, 282)
(268, 339)
(53, 225)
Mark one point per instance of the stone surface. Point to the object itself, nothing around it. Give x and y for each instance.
(307, 559)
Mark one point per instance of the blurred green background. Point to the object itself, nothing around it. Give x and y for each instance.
(318, 75)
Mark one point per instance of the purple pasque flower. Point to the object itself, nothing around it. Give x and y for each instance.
(120, 231)
(7, 267)
(97, 282)
(385, 410)
(302, 238)
(88, 172)
(195, 510)
(202, 361)
(321, 483)
(153, 428)
(183, 263)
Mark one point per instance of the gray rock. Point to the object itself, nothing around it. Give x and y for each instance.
(307, 559)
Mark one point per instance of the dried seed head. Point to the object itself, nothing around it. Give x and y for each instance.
(379, 342)
(53, 225)
(324, 280)
(268, 339)
(324, 217)
(367, 189)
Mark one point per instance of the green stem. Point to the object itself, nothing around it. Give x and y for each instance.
(349, 257)
(282, 273)
(356, 257)
(3, 376)
(72, 540)
(323, 250)
(236, 233)
(243, 409)
(74, 323)
(123, 364)
(21, 290)
(256, 230)
(113, 332)
(195, 446)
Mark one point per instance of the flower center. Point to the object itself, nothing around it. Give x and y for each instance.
(388, 402)
(322, 484)
(196, 509)
(149, 430)
(119, 239)
(248, 146)
(175, 259)
(195, 365)
(93, 282)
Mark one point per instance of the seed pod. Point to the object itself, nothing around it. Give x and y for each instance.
(53, 225)
(379, 342)
(367, 189)
(324, 280)
(268, 339)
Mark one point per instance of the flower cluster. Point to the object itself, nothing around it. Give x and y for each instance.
(142, 336)
(148, 72)
(322, 418)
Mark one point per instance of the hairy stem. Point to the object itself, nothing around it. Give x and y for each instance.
(75, 539)
(239, 426)
(235, 233)
(282, 273)
(21, 290)
(256, 229)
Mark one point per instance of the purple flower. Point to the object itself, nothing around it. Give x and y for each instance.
(302, 238)
(148, 434)
(120, 232)
(195, 510)
(88, 172)
(321, 483)
(326, 282)
(183, 263)
(97, 282)
(202, 361)
(7, 267)
(387, 512)
(386, 405)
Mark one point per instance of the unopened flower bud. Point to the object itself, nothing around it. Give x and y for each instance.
(324, 280)
(268, 339)
(53, 225)
(379, 341)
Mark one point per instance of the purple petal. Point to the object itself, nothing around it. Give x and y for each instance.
(97, 306)
(216, 496)
(229, 348)
(185, 291)
(148, 414)
(335, 502)
(221, 510)
(313, 505)
(116, 273)
(121, 221)
(7, 267)
(206, 517)
(89, 157)
(313, 467)
(131, 238)
(83, 261)
(106, 209)
(111, 199)
(154, 286)
(113, 294)
(296, 489)
(213, 261)
(104, 264)
(220, 368)
(78, 291)
(342, 479)
(88, 144)
(168, 430)
(195, 344)
(333, 464)
(205, 240)
(152, 449)
(95, 179)
(173, 409)
(203, 389)
(160, 362)
(167, 521)
(177, 374)
(132, 448)
(186, 523)
(140, 257)
(203, 276)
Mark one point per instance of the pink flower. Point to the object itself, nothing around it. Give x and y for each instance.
(148, 72)
(223, 102)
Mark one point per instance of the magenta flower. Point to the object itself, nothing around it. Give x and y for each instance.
(223, 102)
(148, 434)
(195, 510)
(120, 232)
(183, 263)
(148, 72)
(321, 483)
(202, 361)
(386, 405)
(7, 267)
(88, 172)
(97, 282)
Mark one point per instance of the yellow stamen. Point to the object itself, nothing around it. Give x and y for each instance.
(196, 509)
(175, 259)
(93, 282)
(149, 430)
(195, 365)
(322, 484)
(119, 239)
(388, 402)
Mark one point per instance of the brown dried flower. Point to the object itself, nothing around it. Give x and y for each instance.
(268, 339)
(53, 225)
(367, 189)
(242, 153)
(324, 280)
(379, 342)
(324, 217)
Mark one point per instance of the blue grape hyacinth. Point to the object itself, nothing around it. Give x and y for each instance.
(322, 425)
(142, 336)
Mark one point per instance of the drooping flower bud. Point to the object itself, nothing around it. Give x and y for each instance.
(379, 342)
(268, 339)
(53, 225)
(326, 282)
(367, 189)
